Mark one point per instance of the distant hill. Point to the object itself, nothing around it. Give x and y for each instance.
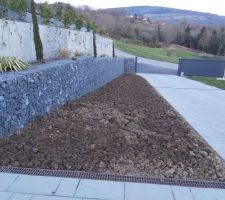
(171, 15)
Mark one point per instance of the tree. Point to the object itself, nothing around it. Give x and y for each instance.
(202, 39)
(91, 26)
(46, 12)
(154, 41)
(213, 46)
(179, 39)
(146, 41)
(113, 53)
(94, 45)
(221, 49)
(136, 30)
(194, 42)
(37, 38)
(159, 34)
(187, 36)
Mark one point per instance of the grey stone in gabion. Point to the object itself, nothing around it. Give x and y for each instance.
(29, 94)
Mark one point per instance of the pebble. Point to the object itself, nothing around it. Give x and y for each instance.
(35, 150)
(170, 171)
(102, 165)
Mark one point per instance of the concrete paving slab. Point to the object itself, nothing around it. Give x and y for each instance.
(206, 194)
(35, 185)
(100, 190)
(19, 196)
(201, 105)
(67, 187)
(174, 82)
(42, 197)
(182, 193)
(6, 180)
(136, 191)
(5, 195)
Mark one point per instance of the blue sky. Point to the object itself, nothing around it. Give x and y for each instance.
(211, 6)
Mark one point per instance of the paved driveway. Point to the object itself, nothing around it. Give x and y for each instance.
(151, 66)
(201, 105)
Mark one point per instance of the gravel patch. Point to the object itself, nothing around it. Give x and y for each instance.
(125, 127)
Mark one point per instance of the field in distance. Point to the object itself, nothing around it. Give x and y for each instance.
(171, 54)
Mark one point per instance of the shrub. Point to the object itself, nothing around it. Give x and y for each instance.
(91, 26)
(46, 12)
(79, 22)
(20, 6)
(69, 16)
(11, 63)
(3, 8)
(59, 10)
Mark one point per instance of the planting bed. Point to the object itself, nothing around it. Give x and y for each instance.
(125, 127)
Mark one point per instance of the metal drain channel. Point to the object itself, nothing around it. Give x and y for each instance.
(113, 177)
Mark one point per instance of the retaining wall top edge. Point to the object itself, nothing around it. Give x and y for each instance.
(33, 69)
(6, 76)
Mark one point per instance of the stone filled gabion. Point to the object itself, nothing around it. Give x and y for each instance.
(29, 94)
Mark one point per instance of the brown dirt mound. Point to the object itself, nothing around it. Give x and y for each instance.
(122, 128)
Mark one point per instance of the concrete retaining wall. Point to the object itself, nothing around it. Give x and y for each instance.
(31, 93)
(201, 67)
(104, 46)
(16, 39)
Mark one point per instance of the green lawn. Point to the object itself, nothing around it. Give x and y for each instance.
(155, 53)
(210, 81)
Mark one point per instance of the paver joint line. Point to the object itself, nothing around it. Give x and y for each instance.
(10, 196)
(76, 188)
(53, 192)
(124, 188)
(12, 182)
(192, 194)
(173, 194)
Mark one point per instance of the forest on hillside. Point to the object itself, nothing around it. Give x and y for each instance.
(120, 26)
(139, 30)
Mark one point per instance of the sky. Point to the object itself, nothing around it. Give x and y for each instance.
(211, 6)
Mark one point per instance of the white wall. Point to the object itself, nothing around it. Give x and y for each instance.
(16, 39)
(104, 46)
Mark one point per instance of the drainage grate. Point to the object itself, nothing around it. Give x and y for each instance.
(113, 177)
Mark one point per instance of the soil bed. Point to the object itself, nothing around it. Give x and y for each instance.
(125, 127)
